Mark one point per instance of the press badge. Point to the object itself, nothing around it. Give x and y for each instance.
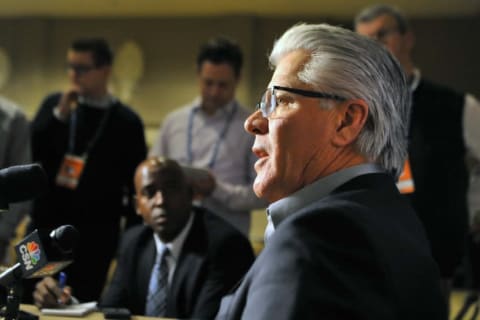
(70, 171)
(405, 182)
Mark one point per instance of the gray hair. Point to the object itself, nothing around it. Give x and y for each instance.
(352, 66)
(373, 12)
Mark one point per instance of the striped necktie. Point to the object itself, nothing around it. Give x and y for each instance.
(156, 304)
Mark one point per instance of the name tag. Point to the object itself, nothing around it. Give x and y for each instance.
(70, 171)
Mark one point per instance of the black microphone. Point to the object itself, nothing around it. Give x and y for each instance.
(41, 255)
(21, 183)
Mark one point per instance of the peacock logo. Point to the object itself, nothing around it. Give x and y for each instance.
(31, 254)
(34, 251)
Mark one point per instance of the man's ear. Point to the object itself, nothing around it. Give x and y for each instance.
(352, 117)
(107, 71)
(409, 40)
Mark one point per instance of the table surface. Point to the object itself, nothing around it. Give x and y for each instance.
(91, 316)
(456, 302)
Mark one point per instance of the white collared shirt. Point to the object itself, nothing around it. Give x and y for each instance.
(175, 247)
(281, 209)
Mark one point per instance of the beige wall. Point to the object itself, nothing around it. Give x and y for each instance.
(447, 50)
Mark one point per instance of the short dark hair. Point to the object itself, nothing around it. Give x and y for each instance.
(370, 13)
(102, 54)
(221, 50)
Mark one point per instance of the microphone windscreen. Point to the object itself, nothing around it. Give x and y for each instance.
(21, 183)
(65, 238)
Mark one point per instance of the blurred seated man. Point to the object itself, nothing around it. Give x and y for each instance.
(179, 263)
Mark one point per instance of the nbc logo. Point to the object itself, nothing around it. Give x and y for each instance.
(30, 254)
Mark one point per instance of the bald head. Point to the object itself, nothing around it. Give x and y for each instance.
(158, 166)
(163, 196)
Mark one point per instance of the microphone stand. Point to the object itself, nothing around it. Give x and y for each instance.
(12, 306)
(11, 280)
(13, 301)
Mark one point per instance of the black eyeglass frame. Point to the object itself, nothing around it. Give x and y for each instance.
(80, 68)
(383, 33)
(306, 93)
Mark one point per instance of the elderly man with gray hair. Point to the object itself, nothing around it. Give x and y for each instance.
(330, 137)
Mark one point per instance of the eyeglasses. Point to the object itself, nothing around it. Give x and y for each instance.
(382, 34)
(269, 100)
(80, 68)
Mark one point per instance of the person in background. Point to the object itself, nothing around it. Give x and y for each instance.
(89, 144)
(208, 134)
(204, 255)
(15, 149)
(443, 127)
(330, 137)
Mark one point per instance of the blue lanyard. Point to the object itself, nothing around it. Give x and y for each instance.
(73, 126)
(221, 136)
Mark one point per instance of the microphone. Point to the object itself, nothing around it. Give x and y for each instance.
(40, 255)
(20, 183)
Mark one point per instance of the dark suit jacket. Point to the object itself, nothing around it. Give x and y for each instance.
(437, 157)
(359, 253)
(214, 257)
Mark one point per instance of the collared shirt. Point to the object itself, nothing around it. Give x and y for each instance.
(100, 103)
(175, 247)
(233, 197)
(282, 208)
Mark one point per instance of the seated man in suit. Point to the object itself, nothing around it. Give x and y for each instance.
(179, 263)
(330, 134)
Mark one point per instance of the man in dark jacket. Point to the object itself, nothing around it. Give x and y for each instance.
(89, 144)
(206, 255)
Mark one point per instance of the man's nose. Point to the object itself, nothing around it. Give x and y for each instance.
(256, 123)
(158, 198)
(74, 76)
(215, 90)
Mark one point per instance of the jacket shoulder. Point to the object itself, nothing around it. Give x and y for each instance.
(427, 86)
(134, 235)
(219, 234)
(127, 113)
